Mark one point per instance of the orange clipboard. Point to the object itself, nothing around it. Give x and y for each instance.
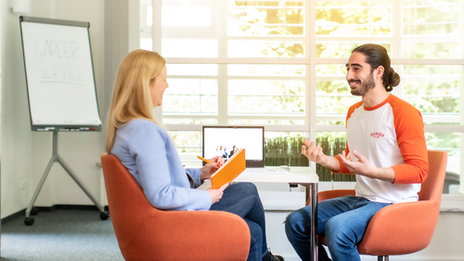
(230, 170)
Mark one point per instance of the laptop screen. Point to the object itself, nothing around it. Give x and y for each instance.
(225, 140)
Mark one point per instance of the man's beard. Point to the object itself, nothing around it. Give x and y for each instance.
(365, 86)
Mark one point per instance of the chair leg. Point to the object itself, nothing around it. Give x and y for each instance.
(382, 258)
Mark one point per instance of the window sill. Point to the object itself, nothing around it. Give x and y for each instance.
(452, 203)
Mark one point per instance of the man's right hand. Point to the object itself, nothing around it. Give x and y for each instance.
(313, 153)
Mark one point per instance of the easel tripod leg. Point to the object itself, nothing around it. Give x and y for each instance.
(29, 221)
(103, 214)
(56, 158)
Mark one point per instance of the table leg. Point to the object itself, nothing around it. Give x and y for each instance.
(313, 198)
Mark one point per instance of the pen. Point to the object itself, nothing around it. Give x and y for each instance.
(203, 159)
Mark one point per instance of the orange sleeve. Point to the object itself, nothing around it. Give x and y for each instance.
(343, 169)
(409, 128)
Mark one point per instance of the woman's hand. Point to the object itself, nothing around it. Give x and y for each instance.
(216, 194)
(219, 161)
(210, 168)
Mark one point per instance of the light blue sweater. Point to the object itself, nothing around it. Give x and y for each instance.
(149, 154)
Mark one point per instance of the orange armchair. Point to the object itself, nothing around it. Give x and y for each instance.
(403, 228)
(146, 233)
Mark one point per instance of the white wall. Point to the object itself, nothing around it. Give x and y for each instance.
(25, 154)
(16, 142)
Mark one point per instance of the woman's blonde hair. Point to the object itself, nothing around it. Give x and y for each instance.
(131, 93)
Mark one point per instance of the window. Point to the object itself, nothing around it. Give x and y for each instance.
(282, 64)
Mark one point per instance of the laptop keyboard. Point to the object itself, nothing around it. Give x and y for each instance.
(267, 170)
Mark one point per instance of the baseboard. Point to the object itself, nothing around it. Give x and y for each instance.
(413, 258)
(52, 208)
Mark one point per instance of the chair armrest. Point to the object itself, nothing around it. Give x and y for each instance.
(386, 235)
(328, 194)
(198, 235)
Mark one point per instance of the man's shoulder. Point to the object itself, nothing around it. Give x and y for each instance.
(401, 106)
(354, 107)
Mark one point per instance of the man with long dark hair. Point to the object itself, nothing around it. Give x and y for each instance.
(385, 149)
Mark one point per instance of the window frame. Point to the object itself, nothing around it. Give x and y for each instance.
(311, 61)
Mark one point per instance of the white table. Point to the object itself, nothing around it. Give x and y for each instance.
(302, 176)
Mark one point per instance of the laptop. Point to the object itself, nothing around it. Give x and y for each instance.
(224, 141)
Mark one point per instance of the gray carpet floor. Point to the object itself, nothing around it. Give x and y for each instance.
(60, 234)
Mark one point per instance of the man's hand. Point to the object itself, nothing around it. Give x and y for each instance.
(313, 153)
(363, 167)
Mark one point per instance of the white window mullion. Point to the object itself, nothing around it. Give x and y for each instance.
(223, 80)
(223, 94)
(275, 128)
(156, 42)
(266, 117)
(183, 127)
(286, 128)
(156, 5)
(330, 128)
(461, 94)
(444, 128)
(226, 60)
(361, 39)
(461, 36)
(397, 40)
(401, 61)
(311, 91)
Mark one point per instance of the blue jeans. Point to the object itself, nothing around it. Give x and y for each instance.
(243, 199)
(342, 220)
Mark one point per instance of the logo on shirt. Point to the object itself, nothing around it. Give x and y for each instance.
(377, 135)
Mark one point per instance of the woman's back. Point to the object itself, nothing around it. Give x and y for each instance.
(148, 152)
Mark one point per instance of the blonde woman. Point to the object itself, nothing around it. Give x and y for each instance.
(147, 151)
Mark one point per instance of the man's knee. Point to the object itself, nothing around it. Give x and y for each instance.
(338, 233)
(295, 222)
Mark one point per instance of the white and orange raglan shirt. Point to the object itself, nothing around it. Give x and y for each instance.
(390, 134)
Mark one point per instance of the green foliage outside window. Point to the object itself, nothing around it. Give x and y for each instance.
(284, 151)
(331, 145)
(287, 151)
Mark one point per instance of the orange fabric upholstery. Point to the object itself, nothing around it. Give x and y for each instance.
(404, 228)
(328, 194)
(146, 233)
